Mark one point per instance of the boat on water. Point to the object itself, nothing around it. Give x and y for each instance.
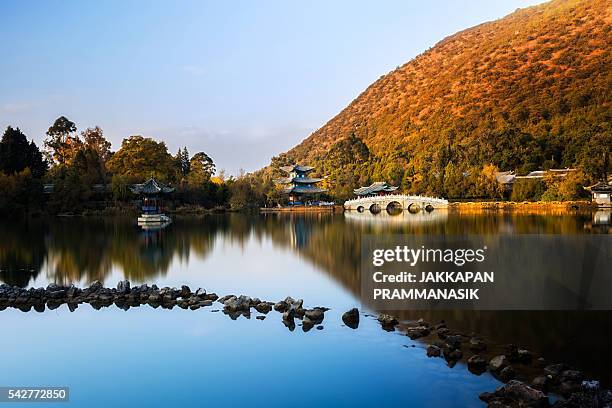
(153, 221)
(152, 217)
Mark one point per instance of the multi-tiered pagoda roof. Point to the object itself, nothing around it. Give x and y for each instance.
(298, 182)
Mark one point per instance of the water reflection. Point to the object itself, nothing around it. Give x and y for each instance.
(384, 219)
(88, 249)
(81, 250)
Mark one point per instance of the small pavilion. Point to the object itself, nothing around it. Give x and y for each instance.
(152, 192)
(601, 194)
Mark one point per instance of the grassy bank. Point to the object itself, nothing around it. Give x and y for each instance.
(522, 207)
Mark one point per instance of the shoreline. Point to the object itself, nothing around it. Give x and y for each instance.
(526, 207)
(460, 207)
(303, 209)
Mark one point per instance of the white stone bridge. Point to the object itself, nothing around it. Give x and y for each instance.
(390, 202)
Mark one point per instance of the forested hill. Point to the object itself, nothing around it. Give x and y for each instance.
(528, 91)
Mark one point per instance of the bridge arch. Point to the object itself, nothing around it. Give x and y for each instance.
(414, 208)
(429, 208)
(375, 208)
(361, 208)
(393, 207)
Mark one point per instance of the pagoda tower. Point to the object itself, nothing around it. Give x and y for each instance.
(298, 184)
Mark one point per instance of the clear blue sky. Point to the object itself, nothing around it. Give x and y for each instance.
(241, 80)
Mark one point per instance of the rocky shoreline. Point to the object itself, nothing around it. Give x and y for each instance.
(554, 379)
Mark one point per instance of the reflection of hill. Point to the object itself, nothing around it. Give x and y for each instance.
(334, 246)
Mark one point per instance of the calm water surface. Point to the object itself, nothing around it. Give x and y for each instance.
(157, 357)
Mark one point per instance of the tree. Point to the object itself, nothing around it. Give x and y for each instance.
(62, 142)
(246, 192)
(20, 193)
(201, 169)
(140, 158)
(89, 166)
(120, 188)
(182, 163)
(528, 190)
(16, 154)
(93, 138)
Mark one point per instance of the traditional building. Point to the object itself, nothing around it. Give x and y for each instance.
(508, 178)
(377, 188)
(151, 192)
(601, 193)
(298, 184)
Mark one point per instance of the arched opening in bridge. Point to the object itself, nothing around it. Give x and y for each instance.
(375, 208)
(429, 208)
(360, 209)
(414, 208)
(394, 208)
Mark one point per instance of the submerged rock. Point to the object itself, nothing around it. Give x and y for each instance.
(524, 356)
(123, 287)
(477, 364)
(541, 382)
(433, 351)
(263, 307)
(417, 332)
(185, 292)
(507, 374)
(315, 315)
(307, 324)
(498, 363)
(515, 393)
(351, 318)
(388, 322)
(281, 306)
(477, 344)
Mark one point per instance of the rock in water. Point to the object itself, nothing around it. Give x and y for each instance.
(95, 286)
(281, 306)
(498, 363)
(507, 374)
(515, 393)
(307, 324)
(185, 292)
(541, 382)
(477, 344)
(123, 287)
(351, 318)
(315, 315)
(387, 322)
(263, 307)
(477, 364)
(433, 351)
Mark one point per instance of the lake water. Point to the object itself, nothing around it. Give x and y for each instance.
(157, 357)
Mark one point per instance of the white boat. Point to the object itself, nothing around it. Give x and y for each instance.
(146, 219)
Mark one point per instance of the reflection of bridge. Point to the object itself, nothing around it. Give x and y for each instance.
(395, 201)
(390, 220)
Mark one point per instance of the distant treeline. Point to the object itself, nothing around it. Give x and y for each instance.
(87, 176)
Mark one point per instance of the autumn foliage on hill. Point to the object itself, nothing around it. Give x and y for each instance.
(529, 91)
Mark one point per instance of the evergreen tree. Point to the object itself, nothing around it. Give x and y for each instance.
(16, 154)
